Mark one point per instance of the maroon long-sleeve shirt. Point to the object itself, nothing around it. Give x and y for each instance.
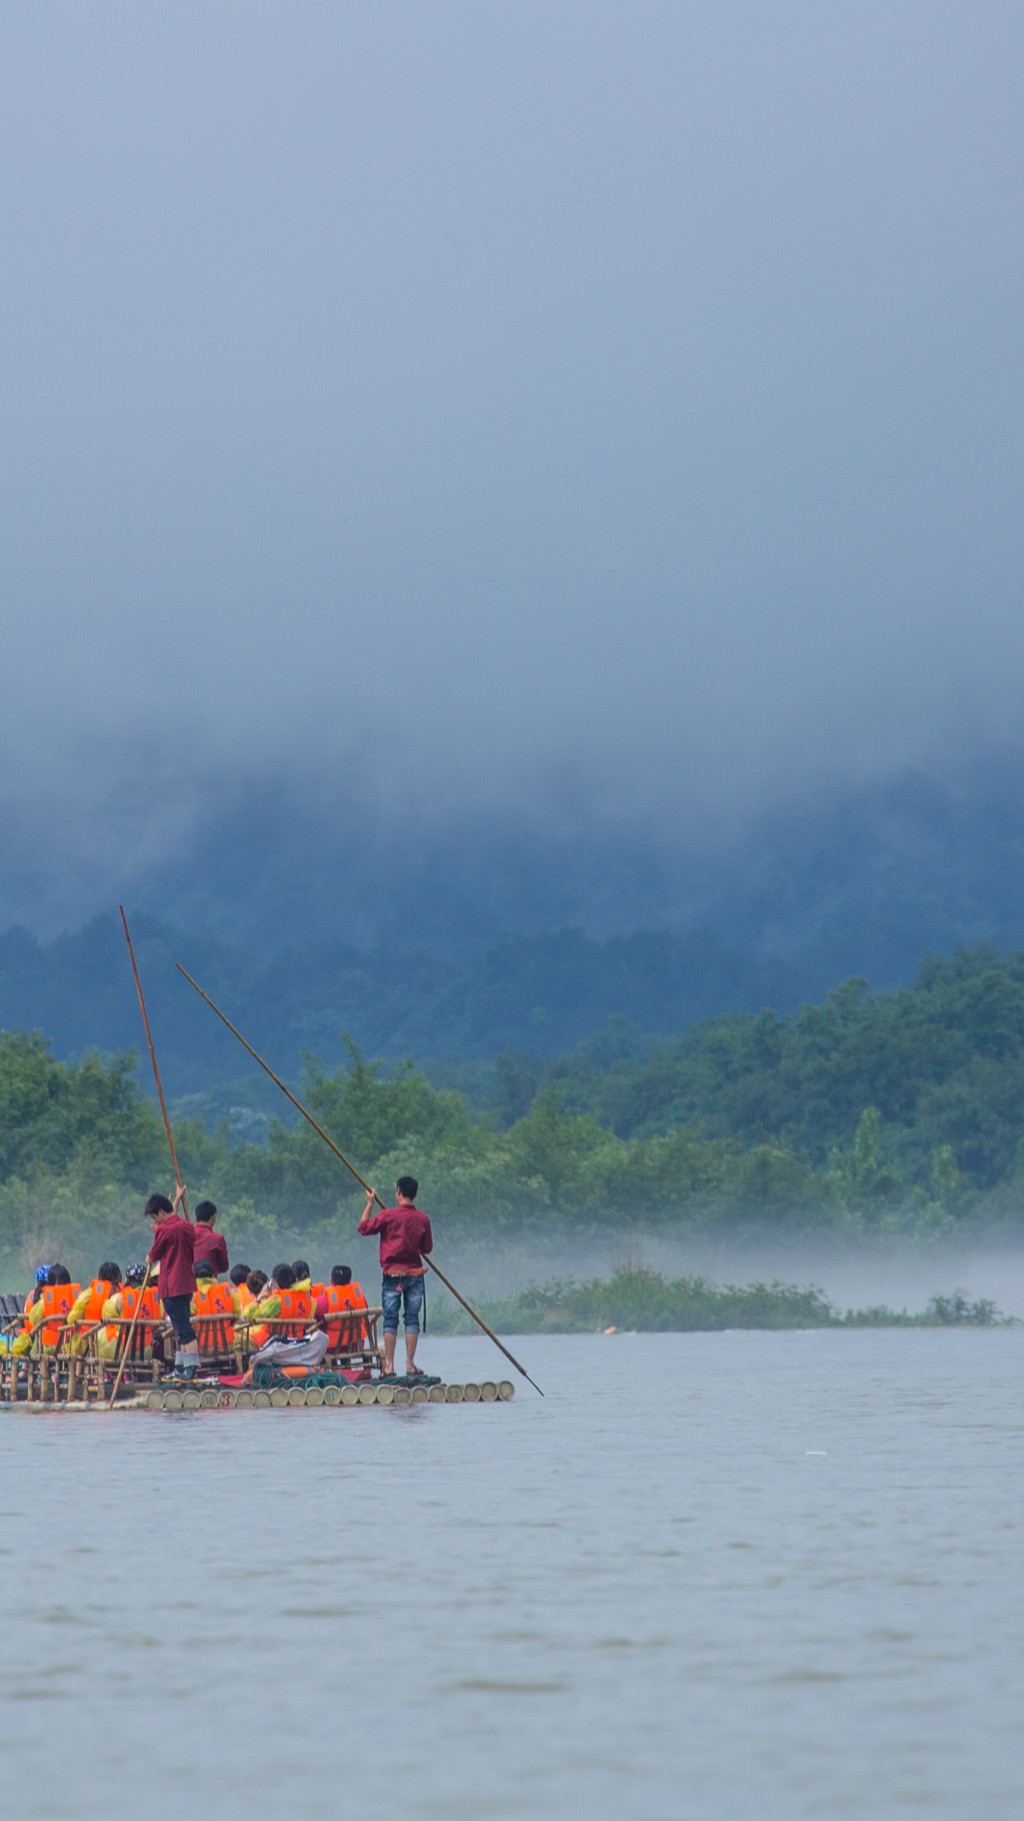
(173, 1249)
(213, 1246)
(405, 1236)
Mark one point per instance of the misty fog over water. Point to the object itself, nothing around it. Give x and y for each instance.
(852, 1278)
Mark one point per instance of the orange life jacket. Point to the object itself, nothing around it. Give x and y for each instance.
(99, 1290)
(296, 1310)
(337, 1299)
(150, 1313)
(215, 1299)
(243, 1296)
(99, 1293)
(26, 1310)
(347, 1335)
(57, 1300)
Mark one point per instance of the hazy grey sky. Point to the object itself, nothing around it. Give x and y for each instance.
(624, 393)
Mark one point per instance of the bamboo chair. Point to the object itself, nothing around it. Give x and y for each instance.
(87, 1370)
(137, 1365)
(25, 1373)
(221, 1348)
(358, 1345)
(9, 1362)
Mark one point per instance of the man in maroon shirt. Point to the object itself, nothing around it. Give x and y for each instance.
(405, 1238)
(173, 1249)
(209, 1244)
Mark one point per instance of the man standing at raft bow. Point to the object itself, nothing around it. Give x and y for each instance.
(174, 1249)
(405, 1237)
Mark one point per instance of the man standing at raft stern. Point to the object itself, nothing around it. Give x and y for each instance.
(405, 1238)
(173, 1249)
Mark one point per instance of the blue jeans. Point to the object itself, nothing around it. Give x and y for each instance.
(177, 1311)
(395, 1291)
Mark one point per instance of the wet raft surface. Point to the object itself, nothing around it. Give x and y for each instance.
(212, 1397)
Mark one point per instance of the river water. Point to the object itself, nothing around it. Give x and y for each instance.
(737, 1575)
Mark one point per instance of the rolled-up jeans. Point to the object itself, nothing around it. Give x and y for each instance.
(396, 1291)
(178, 1310)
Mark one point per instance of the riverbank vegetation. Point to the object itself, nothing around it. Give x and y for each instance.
(644, 1302)
(895, 1118)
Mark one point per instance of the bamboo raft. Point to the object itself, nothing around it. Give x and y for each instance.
(59, 1380)
(295, 1397)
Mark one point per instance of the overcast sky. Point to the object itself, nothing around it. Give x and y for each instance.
(485, 399)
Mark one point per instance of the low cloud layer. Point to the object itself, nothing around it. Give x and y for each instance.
(610, 408)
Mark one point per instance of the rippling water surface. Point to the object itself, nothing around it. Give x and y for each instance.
(707, 1576)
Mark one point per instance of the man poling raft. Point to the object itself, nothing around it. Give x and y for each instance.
(372, 1193)
(174, 1250)
(405, 1239)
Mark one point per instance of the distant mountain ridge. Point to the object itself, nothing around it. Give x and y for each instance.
(543, 994)
(307, 918)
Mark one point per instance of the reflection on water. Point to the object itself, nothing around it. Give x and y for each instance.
(711, 1575)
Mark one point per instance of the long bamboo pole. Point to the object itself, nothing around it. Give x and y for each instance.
(170, 1141)
(152, 1058)
(308, 1117)
(133, 1324)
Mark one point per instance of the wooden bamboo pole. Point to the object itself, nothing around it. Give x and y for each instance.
(133, 1324)
(308, 1117)
(152, 1058)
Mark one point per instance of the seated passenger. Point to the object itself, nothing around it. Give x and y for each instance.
(238, 1278)
(86, 1312)
(296, 1355)
(216, 1300)
(23, 1335)
(302, 1276)
(268, 1307)
(342, 1293)
(150, 1308)
(50, 1303)
(108, 1339)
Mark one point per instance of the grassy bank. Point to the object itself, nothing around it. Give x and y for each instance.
(646, 1302)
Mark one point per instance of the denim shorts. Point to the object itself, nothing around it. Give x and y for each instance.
(395, 1291)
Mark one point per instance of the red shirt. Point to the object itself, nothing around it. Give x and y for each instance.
(213, 1246)
(404, 1236)
(173, 1249)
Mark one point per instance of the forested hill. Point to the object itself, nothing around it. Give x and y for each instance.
(942, 1062)
(879, 1116)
